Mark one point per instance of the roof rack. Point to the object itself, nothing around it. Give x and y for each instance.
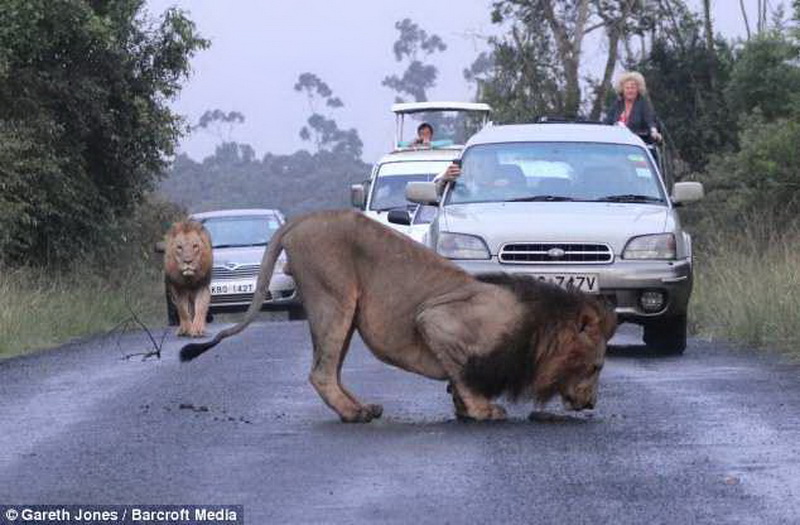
(554, 119)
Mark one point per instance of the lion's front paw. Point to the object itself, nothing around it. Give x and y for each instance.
(497, 413)
(196, 331)
(375, 410)
(488, 412)
(363, 414)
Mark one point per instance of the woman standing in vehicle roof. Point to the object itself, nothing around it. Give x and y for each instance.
(633, 109)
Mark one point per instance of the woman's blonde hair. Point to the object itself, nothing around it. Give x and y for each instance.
(631, 75)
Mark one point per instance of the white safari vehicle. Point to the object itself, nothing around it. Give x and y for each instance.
(580, 205)
(384, 193)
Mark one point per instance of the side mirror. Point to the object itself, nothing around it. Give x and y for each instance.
(399, 217)
(684, 192)
(358, 196)
(422, 192)
(160, 247)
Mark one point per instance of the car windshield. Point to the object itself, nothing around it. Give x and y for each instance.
(556, 172)
(231, 232)
(389, 189)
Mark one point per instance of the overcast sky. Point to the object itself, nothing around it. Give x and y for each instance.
(259, 47)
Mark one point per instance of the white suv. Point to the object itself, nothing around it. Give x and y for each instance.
(580, 205)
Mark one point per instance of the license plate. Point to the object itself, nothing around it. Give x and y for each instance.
(584, 282)
(233, 287)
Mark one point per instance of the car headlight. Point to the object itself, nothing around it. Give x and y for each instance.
(656, 246)
(461, 246)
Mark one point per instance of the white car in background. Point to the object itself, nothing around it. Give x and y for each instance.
(384, 193)
(579, 205)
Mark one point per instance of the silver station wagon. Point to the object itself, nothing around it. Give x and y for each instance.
(578, 205)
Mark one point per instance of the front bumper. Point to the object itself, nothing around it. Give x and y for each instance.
(621, 282)
(283, 295)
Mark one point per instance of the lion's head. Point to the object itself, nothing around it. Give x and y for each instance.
(558, 346)
(187, 256)
(571, 362)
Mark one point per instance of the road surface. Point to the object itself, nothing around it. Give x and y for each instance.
(709, 437)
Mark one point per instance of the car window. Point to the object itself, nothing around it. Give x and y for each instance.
(553, 171)
(229, 232)
(389, 187)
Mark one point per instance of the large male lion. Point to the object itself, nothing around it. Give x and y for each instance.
(420, 312)
(187, 269)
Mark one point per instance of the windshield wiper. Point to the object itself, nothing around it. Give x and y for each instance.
(541, 198)
(629, 197)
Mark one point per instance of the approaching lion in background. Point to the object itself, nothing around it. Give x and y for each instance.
(496, 335)
(187, 269)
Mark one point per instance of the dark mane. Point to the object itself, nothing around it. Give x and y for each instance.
(511, 366)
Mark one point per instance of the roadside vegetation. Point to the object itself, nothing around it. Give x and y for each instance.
(747, 288)
(46, 308)
(47, 305)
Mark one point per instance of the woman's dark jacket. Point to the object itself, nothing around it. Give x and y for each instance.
(641, 119)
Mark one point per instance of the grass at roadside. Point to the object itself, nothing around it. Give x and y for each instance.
(747, 289)
(42, 309)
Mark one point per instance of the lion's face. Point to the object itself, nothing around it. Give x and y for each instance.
(574, 373)
(188, 252)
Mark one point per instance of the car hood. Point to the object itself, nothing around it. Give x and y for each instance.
(502, 222)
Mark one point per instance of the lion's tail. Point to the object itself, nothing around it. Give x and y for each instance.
(192, 350)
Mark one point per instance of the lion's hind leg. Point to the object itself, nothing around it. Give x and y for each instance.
(332, 325)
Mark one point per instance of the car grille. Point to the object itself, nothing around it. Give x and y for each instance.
(556, 253)
(245, 270)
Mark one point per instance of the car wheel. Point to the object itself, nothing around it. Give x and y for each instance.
(297, 313)
(667, 336)
(172, 313)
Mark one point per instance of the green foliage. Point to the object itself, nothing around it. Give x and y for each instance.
(84, 122)
(762, 178)
(765, 75)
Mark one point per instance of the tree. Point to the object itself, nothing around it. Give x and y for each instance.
(322, 130)
(219, 123)
(418, 77)
(765, 75)
(85, 129)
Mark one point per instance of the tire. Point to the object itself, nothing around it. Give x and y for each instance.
(667, 336)
(297, 313)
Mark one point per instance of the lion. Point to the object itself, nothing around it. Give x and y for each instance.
(188, 260)
(487, 336)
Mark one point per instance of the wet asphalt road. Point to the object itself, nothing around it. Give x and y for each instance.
(710, 437)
